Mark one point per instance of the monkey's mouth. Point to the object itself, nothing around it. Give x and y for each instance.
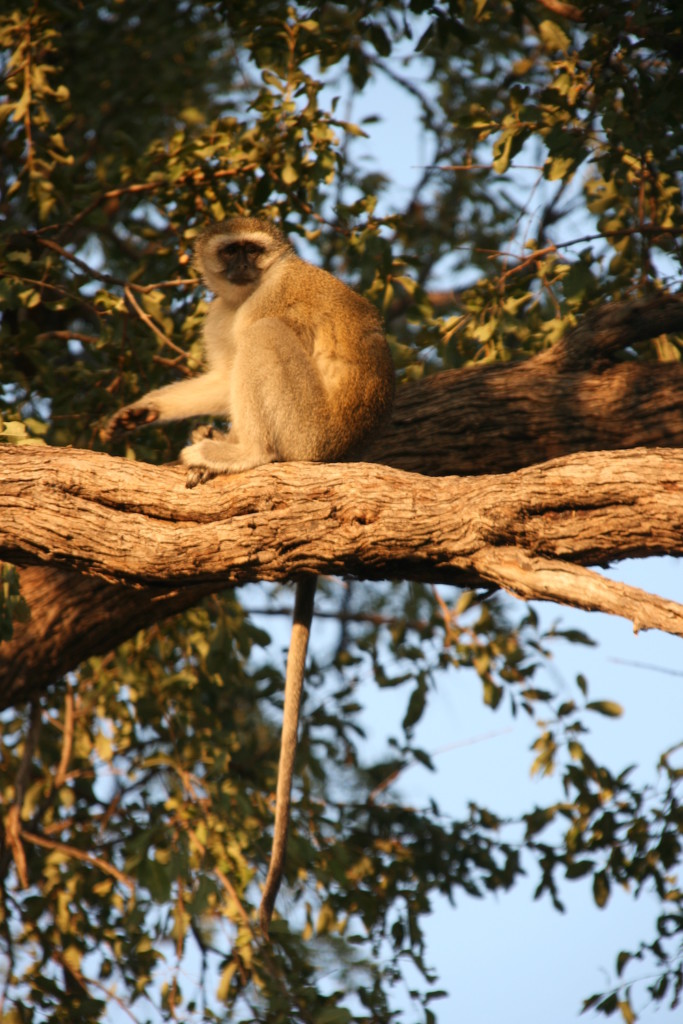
(244, 275)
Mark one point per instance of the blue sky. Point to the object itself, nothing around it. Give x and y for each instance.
(507, 957)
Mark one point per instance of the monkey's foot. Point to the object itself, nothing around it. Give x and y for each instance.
(211, 457)
(199, 475)
(129, 418)
(198, 472)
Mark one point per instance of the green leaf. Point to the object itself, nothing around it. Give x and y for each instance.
(424, 758)
(577, 869)
(557, 168)
(380, 40)
(623, 960)
(353, 129)
(289, 174)
(492, 693)
(416, 705)
(536, 694)
(553, 37)
(502, 152)
(627, 1011)
(227, 974)
(601, 889)
(606, 707)
(334, 1015)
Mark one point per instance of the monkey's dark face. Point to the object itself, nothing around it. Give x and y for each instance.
(240, 261)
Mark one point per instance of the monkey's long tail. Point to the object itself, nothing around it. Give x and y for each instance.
(294, 678)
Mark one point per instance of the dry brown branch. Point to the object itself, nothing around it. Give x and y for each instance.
(135, 523)
(555, 580)
(571, 398)
(67, 510)
(74, 617)
(526, 531)
(67, 740)
(564, 10)
(73, 851)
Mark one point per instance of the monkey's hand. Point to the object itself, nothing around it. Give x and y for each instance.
(129, 418)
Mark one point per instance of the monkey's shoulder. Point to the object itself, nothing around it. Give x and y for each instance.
(331, 294)
(325, 314)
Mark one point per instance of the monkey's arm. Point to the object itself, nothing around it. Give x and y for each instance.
(205, 395)
(294, 678)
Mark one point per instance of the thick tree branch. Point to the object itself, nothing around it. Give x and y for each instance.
(74, 617)
(573, 397)
(525, 531)
(490, 419)
(135, 523)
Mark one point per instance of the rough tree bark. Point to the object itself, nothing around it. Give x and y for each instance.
(87, 526)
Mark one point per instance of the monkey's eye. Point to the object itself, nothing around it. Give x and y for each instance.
(234, 250)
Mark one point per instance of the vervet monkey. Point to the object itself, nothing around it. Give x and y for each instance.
(299, 365)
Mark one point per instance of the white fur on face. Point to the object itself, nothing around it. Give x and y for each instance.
(229, 238)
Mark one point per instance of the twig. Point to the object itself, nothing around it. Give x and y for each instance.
(77, 262)
(647, 667)
(564, 10)
(67, 740)
(13, 819)
(150, 323)
(446, 749)
(73, 851)
(87, 339)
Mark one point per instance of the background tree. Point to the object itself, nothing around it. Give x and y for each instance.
(136, 787)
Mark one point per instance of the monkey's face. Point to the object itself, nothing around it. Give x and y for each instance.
(238, 253)
(240, 262)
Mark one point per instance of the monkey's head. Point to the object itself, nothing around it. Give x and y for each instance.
(239, 252)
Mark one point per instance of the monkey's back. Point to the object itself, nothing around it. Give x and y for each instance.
(342, 334)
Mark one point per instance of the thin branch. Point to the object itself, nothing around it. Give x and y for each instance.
(553, 247)
(177, 282)
(486, 167)
(546, 579)
(98, 275)
(67, 738)
(445, 749)
(13, 819)
(150, 323)
(648, 668)
(73, 851)
(564, 10)
(86, 339)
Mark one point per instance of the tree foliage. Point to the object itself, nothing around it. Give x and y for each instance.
(136, 792)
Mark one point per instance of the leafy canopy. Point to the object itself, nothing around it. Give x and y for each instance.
(137, 793)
